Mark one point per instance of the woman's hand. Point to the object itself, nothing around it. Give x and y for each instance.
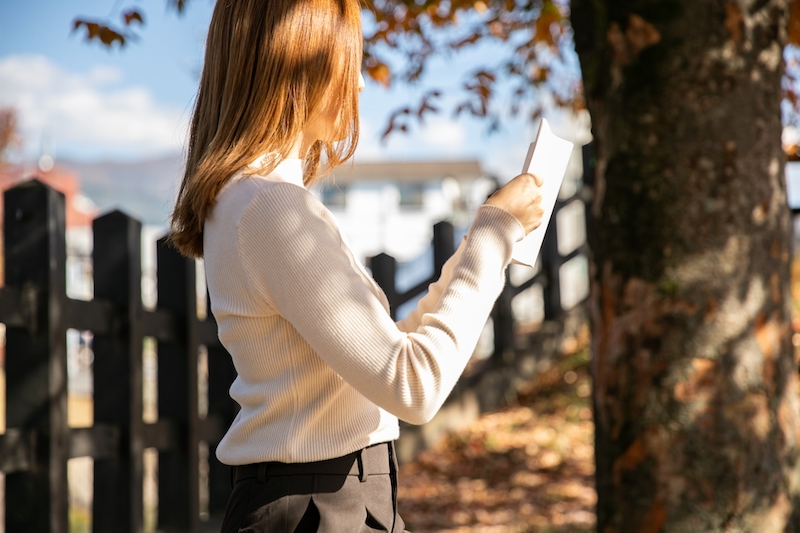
(522, 197)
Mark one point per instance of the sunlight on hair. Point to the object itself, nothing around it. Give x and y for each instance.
(274, 72)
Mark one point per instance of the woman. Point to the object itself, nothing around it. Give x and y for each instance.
(324, 373)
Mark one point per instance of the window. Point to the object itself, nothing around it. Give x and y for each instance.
(333, 196)
(411, 195)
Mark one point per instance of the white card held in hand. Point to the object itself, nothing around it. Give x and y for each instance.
(547, 158)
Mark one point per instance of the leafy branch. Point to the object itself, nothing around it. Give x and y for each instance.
(537, 31)
(108, 33)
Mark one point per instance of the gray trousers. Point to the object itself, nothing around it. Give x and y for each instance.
(356, 493)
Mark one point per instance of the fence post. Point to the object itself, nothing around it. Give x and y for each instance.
(178, 470)
(503, 324)
(443, 246)
(221, 374)
(384, 268)
(551, 264)
(118, 504)
(36, 358)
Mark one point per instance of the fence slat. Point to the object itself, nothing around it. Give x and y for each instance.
(178, 472)
(164, 326)
(36, 361)
(118, 374)
(101, 441)
(384, 267)
(221, 374)
(503, 324)
(17, 450)
(551, 264)
(162, 435)
(14, 307)
(101, 317)
(444, 246)
(384, 271)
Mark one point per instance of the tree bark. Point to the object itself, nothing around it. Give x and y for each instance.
(695, 380)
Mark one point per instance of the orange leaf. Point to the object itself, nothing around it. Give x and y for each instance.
(548, 17)
(380, 72)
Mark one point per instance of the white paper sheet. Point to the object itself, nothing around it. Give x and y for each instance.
(547, 158)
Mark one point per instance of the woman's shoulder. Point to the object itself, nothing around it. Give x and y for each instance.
(256, 202)
(242, 190)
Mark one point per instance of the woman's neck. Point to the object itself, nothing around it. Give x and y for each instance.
(301, 146)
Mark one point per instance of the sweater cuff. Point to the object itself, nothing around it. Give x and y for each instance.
(498, 226)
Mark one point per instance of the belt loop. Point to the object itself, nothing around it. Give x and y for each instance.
(362, 472)
(262, 472)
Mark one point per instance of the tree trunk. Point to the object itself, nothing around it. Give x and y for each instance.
(695, 382)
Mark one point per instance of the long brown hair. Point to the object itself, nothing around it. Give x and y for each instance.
(269, 66)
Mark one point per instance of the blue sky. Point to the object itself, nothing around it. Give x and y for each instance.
(81, 101)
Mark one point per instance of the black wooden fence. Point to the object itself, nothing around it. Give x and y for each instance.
(38, 441)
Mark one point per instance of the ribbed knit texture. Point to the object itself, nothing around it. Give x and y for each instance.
(323, 370)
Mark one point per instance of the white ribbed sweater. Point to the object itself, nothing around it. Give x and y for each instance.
(322, 368)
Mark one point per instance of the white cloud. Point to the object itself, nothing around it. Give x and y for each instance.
(87, 114)
(444, 133)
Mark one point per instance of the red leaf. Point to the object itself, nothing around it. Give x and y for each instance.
(380, 72)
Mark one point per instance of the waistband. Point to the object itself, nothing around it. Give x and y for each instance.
(378, 459)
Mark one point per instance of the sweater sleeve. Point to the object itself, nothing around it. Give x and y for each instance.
(293, 258)
(431, 297)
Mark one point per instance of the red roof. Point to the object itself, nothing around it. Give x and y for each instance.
(62, 180)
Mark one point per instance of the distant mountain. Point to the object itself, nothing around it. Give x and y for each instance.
(144, 190)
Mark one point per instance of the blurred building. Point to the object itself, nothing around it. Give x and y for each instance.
(391, 207)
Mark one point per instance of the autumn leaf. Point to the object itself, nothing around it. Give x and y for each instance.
(540, 74)
(547, 23)
(99, 31)
(381, 73)
(132, 16)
